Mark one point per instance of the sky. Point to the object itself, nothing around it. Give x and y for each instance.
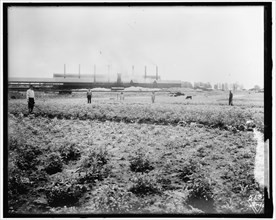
(195, 44)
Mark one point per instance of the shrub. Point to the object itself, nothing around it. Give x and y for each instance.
(64, 193)
(70, 152)
(93, 173)
(97, 155)
(113, 199)
(27, 157)
(165, 182)
(144, 185)
(17, 183)
(244, 181)
(140, 163)
(94, 167)
(53, 164)
(38, 177)
(201, 152)
(14, 143)
(189, 168)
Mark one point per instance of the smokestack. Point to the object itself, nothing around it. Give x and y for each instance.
(64, 70)
(132, 70)
(94, 73)
(79, 71)
(145, 72)
(156, 72)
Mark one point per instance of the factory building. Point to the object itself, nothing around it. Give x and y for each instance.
(68, 81)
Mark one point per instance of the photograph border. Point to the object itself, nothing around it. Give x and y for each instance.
(268, 205)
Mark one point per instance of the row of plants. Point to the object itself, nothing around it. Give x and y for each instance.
(111, 167)
(207, 115)
(67, 191)
(61, 190)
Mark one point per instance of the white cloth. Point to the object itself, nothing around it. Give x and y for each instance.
(30, 94)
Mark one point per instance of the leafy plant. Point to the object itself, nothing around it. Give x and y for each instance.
(93, 173)
(64, 193)
(140, 163)
(14, 143)
(27, 157)
(144, 184)
(53, 164)
(70, 152)
(113, 199)
(94, 167)
(97, 155)
(18, 183)
(202, 152)
(189, 168)
(201, 192)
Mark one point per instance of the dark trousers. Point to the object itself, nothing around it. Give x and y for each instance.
(31, 104)
(230, 102)
(89, 98)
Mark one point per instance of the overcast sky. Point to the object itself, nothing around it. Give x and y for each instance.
(208, 44)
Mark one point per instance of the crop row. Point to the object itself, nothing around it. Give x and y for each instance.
(215, 116)
(117, 167)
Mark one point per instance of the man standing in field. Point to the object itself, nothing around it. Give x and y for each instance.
(89, 95)
(230, 98)
(153, 97)
(30, 99)
(122, 96)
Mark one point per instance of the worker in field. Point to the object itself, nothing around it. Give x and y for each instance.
(230, 98)
(89, 95)
(153, 97)
(122, 96)
(30, 99)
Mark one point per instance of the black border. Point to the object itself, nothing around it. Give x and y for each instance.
(268, 97)
(267, 100)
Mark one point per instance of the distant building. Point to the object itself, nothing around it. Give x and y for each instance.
(186, 85)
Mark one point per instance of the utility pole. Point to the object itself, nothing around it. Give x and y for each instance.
(145, 72)
(79, 71)
(64, 71)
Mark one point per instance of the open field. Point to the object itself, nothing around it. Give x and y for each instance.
(173, 156)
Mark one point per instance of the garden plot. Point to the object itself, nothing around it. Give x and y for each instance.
(108, 167)
(133, 157)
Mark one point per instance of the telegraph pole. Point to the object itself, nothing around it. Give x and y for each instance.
(79, 71)
(145, 72)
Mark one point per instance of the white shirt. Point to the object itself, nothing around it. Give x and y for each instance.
(30, 93)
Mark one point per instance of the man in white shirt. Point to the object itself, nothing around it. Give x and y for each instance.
(30, 99)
